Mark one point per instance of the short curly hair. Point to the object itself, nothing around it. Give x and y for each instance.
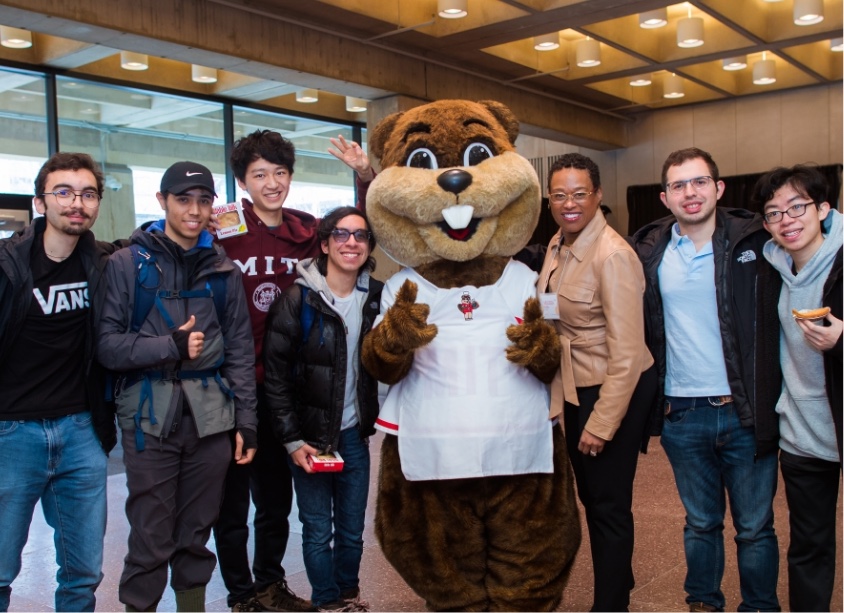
(266, 144)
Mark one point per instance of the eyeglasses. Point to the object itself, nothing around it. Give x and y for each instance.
(341, 235)
(795, 210)
(576, 197)
(698, 183)
(66, 197)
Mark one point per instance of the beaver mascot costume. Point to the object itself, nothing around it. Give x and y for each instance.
(476, 507)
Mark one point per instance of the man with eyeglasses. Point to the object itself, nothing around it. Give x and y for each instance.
(710, 307)
(277, 238)
(806, 248)
(55, 427)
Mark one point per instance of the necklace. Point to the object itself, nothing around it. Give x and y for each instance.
(58, 258)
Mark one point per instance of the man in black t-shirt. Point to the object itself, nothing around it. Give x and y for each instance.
(55, 429)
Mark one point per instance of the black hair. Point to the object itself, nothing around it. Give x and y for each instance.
(578, 162)
(266, 144)
(806, 179)
(327, 225)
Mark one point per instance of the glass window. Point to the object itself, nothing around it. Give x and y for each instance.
(23, 141)
(136, 135)
(320, 182)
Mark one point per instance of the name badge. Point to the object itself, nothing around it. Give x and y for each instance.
(550, 306)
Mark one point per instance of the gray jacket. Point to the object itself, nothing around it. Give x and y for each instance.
(153, 380)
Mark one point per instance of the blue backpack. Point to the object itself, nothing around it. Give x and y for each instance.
(148, 294)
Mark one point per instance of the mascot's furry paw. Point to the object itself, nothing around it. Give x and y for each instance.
(388, 349)
(536, 345)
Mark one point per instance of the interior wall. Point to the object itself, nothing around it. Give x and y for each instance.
(745, 135)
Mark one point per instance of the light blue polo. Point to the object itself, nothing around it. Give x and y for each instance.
(694, 352)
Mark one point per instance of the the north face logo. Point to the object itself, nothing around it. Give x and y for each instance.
(747, 256)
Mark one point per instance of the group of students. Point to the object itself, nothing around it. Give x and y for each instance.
(212, 359)
(170, 324)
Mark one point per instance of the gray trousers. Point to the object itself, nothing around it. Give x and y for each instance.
(175, 489)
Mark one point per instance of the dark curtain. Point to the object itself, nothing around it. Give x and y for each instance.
(644, 205)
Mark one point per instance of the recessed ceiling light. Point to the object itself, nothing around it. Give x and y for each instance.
(641, 81)
(452, 9)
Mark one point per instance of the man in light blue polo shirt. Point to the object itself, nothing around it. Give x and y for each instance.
(710, 305)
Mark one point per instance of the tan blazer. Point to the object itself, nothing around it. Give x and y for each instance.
(599, 285)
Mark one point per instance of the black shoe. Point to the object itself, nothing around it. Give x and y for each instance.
(251, 604)
(278, 597)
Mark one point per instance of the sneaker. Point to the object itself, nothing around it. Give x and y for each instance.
(352, 598)
(251, 604)
(278, 597)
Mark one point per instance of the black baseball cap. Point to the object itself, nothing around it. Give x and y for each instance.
(182, 176)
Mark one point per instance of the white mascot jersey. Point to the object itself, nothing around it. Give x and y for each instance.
(464, 410)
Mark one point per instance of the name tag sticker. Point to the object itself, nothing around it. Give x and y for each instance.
(550, 306)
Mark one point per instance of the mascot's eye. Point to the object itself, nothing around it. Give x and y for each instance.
(475, 154)
(422, 158)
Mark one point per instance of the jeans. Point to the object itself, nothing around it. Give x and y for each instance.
(59, 461)
(267, 478)
(333, 572)
(811, 489)
(709, 452)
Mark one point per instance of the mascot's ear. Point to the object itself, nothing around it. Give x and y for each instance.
(504, 115)
(377, 139)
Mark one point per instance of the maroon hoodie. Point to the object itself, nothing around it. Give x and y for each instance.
(268, 256)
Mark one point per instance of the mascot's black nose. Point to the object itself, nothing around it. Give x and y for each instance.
(454, 180)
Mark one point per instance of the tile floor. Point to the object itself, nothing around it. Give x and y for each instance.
(658, 562)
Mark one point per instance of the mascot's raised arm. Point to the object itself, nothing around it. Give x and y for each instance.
(476, 506)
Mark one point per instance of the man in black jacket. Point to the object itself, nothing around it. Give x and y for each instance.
(710, 308)
(56, 429)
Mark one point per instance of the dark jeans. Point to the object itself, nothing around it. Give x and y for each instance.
(268, 480)
(811, 489)
(713, 456)
(175, 486)
(332, 507)
(605, 487)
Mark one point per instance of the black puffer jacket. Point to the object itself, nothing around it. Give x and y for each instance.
(15, 299)
(747, 289)
(832, 362)
(305, 382)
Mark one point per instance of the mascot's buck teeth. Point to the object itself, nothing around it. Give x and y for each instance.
(458, 217)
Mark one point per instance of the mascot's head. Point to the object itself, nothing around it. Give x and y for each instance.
(452, 185)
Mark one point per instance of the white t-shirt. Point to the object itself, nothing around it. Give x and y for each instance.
(464, 410)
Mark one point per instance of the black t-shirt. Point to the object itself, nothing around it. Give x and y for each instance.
(44, 373)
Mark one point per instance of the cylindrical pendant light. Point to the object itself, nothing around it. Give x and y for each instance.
(202, 74)
(690, 32)
(547, 42)
(452, 9)
(764, 71)
(129, 60)
(653, 19)
(808, 12)
(672, 87)
(738, 62)
(837, 45)
(355, 105)
(15, 38)
(588, 53)
(641, 81)
(307, 95)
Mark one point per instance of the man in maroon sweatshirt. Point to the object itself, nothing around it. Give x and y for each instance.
(276, 239)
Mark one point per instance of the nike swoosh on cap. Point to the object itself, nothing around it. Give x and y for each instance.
(190, 174)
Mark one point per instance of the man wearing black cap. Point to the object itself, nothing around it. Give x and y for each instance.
(175, 327)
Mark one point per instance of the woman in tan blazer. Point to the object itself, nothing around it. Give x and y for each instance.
(592, 286)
